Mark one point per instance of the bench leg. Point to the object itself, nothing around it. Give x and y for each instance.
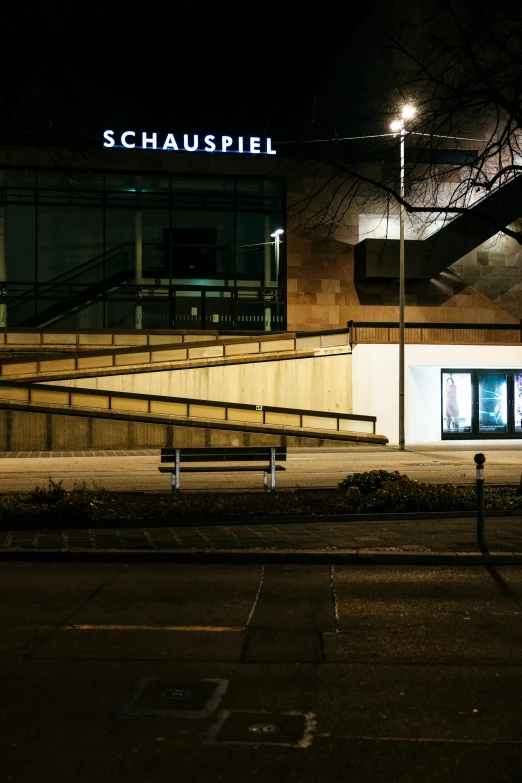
(265, 479)
(175, 474)
(272, 469)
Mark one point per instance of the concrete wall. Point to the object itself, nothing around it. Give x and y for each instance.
(376, 383)
(318, 383)
(27, 431)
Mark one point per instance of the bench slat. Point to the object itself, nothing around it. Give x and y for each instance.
(206, 457)
(246, 469)
(225, 449)
(245, 454)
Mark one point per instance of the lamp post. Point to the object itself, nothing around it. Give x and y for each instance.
(277, 242)
(398, 126)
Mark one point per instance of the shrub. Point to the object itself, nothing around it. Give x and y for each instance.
(370, 481)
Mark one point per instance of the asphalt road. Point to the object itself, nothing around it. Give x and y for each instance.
(152, 673)
(319, 468)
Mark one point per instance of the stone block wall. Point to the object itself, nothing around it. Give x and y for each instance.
(322, 293)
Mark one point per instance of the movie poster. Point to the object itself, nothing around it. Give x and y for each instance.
(456, 402)
(492, 395)
(518, 401)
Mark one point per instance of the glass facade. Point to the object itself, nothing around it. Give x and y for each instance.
(481, 403)
(136, 250)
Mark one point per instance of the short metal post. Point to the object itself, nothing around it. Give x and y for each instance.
(479, 461)
(265, 479)
(272, 469)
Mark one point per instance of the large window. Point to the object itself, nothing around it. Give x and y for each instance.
(90, 249)
(481, 403)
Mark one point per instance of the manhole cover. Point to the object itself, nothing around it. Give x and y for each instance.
(177, 694)
(263, 728)
(194, 699)
(246, 727)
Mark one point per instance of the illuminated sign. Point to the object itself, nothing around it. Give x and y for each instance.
(247, 145)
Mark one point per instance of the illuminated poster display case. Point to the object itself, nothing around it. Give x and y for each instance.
(481, 403)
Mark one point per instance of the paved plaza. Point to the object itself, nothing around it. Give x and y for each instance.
(138, 470)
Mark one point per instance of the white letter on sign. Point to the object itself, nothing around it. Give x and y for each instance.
(254, 144)
(209, 141)
(153, 141)
(226, 141)
(124, 139)
(170, 141)
(109, 138)
(186, 144)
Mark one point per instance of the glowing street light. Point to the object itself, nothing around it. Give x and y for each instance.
(277, 236)
(397, 126)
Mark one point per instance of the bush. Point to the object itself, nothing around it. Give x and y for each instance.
(369, 482)
(407, 495)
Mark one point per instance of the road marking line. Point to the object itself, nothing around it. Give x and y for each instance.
(211, 628)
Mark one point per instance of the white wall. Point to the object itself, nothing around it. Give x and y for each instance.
(320, 383)
(375, 385)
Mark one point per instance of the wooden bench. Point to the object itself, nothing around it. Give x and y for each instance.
(245, 455)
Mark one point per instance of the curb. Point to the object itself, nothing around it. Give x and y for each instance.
(104, 524)
(261, 556)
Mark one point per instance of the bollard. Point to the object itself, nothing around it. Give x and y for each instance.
(479, 461)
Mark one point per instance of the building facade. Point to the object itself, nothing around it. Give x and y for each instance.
(145, 240)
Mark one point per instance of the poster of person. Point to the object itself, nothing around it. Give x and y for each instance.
(492, 398)
(456, 402)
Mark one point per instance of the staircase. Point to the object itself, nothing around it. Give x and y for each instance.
(74, 290)
(424, 259)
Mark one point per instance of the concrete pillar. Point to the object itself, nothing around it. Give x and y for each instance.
(138, 265)
(268, 270)
(3, 255)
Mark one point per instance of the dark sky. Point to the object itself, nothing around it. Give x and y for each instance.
(76, 68)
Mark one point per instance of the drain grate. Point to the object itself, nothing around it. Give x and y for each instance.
(245, 727)
(195, 699)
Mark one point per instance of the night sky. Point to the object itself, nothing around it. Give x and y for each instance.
(184, 66)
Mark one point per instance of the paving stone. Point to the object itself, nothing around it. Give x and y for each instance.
(277, 647)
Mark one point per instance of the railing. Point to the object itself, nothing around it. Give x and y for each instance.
(435, 333)
(77, 397)
(86, 279)
(190, 351)
(178, 306)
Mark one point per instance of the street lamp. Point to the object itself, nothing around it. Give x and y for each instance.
(268, 273)
(277, 235)
(407, 113)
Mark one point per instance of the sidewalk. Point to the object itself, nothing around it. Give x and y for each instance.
(120, 471)
(433, 541)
